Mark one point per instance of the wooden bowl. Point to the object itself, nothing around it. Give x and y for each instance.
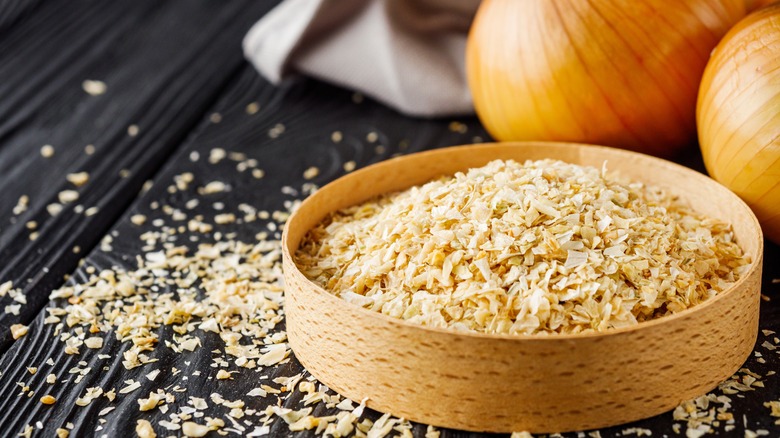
(504, 383)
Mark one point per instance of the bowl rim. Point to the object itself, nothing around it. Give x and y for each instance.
(756, 262)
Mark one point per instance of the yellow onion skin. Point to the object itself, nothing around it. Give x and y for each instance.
(738, 115)
(752, 5)
(613, 72)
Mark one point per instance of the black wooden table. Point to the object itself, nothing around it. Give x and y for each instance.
(177, 88)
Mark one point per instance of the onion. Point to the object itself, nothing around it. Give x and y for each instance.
(738, 115)
(620, 73)
(752, 5)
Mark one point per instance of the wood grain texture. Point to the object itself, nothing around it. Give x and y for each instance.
(500, 383)
(13, 10)
(164, 65)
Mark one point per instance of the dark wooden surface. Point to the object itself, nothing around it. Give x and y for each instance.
(169, 66)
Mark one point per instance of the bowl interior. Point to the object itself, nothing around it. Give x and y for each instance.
(700, 192)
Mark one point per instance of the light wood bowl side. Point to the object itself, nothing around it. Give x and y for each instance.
(497, 383)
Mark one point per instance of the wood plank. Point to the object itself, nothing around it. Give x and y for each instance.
(310, 113)
(13, 10)
(164, 64)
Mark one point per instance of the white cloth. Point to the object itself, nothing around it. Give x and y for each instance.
(408, 54)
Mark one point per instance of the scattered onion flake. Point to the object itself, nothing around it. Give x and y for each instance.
(228, 295)
(539, 247)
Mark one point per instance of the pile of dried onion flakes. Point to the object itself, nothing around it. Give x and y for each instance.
(532, 248)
